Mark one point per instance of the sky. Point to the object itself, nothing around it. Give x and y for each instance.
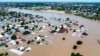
(49, 0)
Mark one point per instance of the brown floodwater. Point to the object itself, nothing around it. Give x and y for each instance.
(90, 46)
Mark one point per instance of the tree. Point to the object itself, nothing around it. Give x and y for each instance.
(3, 27)
(49, 24)
(72, 54)
(79, 42)
(26, 27)
(33, 28)
(63, 38)
(36, 26)
(7, 30)
(23, 23)
(6, 45)
(26, 15)
(17, 42)
(76, 54)
(74, 47)
(2, 33)
(8, 26)
(6, 54)
(28, 42)
(13, 37)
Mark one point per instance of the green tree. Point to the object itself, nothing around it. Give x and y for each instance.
(13, 37)
(3, 27)
(26, 27)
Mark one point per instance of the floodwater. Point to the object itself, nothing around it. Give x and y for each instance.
(90, 46)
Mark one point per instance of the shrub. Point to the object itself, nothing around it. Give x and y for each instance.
(79, 42)
(74, 47)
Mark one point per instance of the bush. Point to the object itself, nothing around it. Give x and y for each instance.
(74, 47)
(79, 42)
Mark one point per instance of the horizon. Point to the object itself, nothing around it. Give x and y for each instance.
(90, 1)
(48, 1)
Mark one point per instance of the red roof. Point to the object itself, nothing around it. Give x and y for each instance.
(62, 30)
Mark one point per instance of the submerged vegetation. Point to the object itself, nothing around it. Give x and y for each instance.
(4, 54)
(76, 54)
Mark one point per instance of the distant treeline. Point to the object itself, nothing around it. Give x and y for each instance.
(30, 4)
(87, 10)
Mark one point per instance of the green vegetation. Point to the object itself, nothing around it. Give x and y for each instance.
(79, 42)
(82, 15)
(13, 37)
(4, 54)
(75, 47)
(23, 23)
(3, 27)
(76, 54)
(26, 27)
(68, 12)
(86, 16)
